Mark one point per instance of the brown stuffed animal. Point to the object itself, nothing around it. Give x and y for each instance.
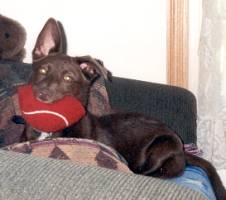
(12, 39)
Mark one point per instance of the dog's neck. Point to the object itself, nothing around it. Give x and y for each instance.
(89, 127)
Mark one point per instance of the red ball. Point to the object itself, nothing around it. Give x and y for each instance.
(49, 117)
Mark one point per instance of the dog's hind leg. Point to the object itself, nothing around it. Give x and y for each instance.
(164, 157)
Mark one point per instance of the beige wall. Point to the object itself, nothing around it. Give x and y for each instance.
(128, 35)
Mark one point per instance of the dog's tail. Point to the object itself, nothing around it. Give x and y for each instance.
(211, 172)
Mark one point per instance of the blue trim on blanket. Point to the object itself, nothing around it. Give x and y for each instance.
(196, 178)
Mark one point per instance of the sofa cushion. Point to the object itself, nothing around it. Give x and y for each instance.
(30, 177)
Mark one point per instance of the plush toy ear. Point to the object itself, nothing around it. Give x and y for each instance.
(92, 67)
(51, 39)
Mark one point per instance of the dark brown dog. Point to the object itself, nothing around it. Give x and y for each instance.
(149, 147)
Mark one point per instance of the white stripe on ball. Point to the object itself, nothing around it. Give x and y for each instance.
(48, 112)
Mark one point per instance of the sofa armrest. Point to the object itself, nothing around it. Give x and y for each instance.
(172, 105)
(28, 177)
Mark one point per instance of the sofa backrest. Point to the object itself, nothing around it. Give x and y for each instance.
(172, 105)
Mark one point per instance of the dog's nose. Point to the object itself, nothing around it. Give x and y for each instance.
(44, 97)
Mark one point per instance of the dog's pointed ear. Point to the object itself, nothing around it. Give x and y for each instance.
(51, 39)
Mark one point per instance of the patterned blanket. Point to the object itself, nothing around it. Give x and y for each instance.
(11, 76)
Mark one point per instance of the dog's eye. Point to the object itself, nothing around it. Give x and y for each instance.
(43, 70)
(68, 78)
